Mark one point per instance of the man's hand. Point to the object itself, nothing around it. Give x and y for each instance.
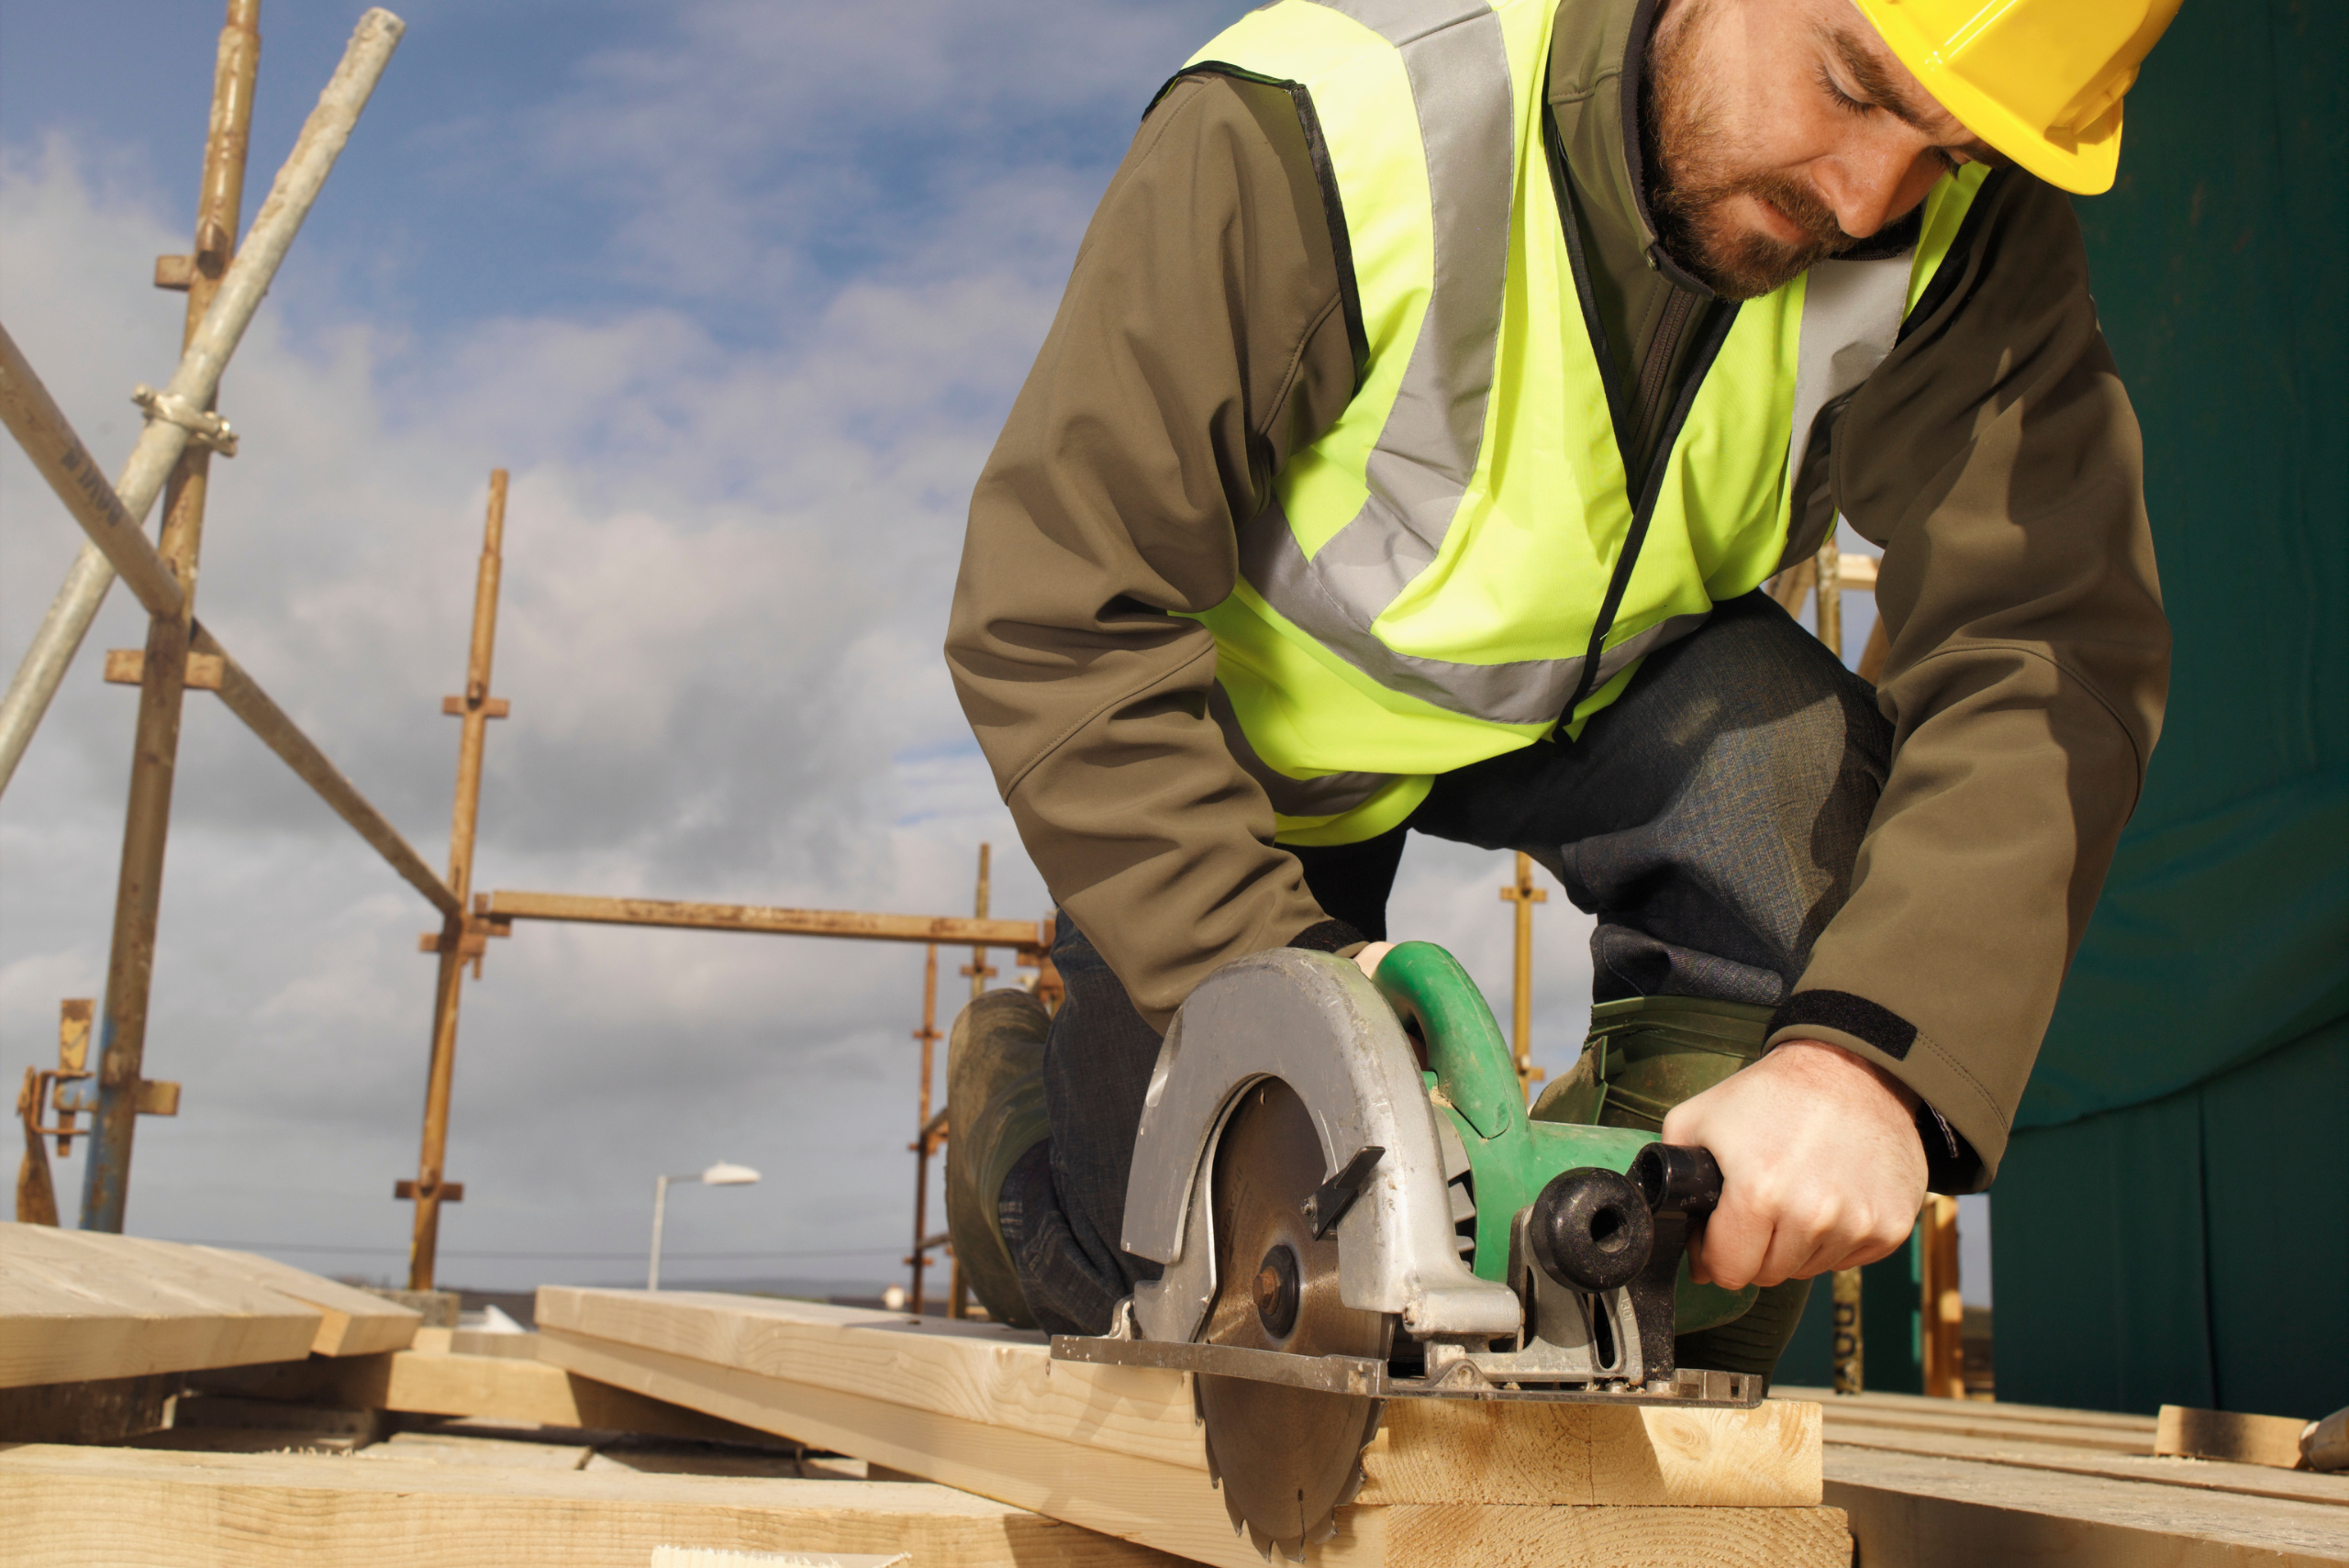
(1820, 1165)
(1367, 959)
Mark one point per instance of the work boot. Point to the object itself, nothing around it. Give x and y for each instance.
(1643, 1056)
(995, 1097)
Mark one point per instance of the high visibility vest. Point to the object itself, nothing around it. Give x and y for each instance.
(1423, 590)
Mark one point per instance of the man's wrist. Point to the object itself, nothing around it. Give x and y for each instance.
(1827, 1056)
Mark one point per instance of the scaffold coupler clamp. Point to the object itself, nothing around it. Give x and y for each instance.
(204, 427)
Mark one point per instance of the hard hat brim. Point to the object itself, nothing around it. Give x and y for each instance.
(2086, 169)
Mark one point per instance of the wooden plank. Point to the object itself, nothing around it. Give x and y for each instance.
(1959, 1422)
(1115, 1450)
(1429, 1451)
(507, 1388)
(1973, 1409)
(88, 1508)
(1915, 1511)
(104, 1410)
(76, 1307)
(2215, 1476)
(955, 930)
(351, 1322)
(1454, 1451)
(2228, 1434)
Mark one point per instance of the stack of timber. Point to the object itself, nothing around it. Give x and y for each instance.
(1945, 1483)
(1115, 1450)
(94, 1328)
(304, 1422)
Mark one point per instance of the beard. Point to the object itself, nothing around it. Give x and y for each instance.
(1693, 175)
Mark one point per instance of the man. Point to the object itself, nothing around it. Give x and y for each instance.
(1433, 391)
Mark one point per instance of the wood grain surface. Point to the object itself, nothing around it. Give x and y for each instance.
(89, 1508)
(1117, 1449)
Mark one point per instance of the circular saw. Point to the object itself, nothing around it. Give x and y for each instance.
(1350, 1205)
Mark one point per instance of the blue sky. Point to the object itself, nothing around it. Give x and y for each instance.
(739, 292)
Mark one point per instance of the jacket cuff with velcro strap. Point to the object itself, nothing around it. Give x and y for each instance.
(1330, 936)
(1961, 1149)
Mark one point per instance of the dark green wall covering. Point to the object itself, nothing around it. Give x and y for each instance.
(2221, 266)
(2190, 1252)
(2172, 1222)
(1892, 1328)
(2172, 1219)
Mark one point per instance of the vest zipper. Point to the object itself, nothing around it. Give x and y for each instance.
(1679, 307)
(1643, 492)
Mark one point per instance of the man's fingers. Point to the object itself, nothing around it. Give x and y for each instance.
(1736, 1239)
(1367, 959)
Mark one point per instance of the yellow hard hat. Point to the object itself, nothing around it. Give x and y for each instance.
(2039, 79)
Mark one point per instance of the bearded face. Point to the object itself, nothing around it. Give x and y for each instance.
(1697, 166)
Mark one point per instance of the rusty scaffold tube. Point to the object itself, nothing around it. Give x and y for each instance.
(476, 707)
(56, 453)
(181, 410)
(154, 757)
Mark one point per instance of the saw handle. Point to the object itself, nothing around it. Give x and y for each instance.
(1475, 1071)
(1677, 1178)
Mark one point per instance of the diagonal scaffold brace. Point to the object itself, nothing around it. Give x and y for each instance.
(126, 503)
(181, 434)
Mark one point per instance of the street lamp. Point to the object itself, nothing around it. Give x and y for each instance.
(719, 1175)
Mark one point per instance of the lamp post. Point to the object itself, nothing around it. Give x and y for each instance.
(719, 1175)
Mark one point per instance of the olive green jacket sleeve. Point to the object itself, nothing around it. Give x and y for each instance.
(1201, 339)
(1994, 458)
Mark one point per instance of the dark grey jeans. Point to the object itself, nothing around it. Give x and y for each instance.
(1708, 817)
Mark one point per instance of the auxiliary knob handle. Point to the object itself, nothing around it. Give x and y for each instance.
(1591, 1230)
(1677, 1178)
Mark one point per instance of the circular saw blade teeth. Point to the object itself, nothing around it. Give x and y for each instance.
(1285, 1458)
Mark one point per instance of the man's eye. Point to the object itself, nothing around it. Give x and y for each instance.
(1843, 100)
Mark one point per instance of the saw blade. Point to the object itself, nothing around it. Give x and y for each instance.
(1286, 1457)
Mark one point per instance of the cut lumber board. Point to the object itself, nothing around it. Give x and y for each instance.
(1931, 1408)
(2107, 1439)
(95, 1507)
(419, 1382)
(132, 1270)
(1918, 1511)
(76, 1308)
(1117, 1448)
(2250, 1480)
(351, 1322)
(2228, 1434)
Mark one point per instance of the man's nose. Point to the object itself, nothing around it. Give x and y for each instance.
(1864, 188)
(1869, 187)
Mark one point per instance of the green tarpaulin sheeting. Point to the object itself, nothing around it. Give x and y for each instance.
(2171, 1224)
(2174, 1224)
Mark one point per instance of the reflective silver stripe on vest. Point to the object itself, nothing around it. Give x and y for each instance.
(1525, 691)
(1457, 61)
(1851, 317)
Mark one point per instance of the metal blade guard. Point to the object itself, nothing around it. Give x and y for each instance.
(1520, 1259)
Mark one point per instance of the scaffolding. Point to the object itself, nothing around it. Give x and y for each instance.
(225, 282)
